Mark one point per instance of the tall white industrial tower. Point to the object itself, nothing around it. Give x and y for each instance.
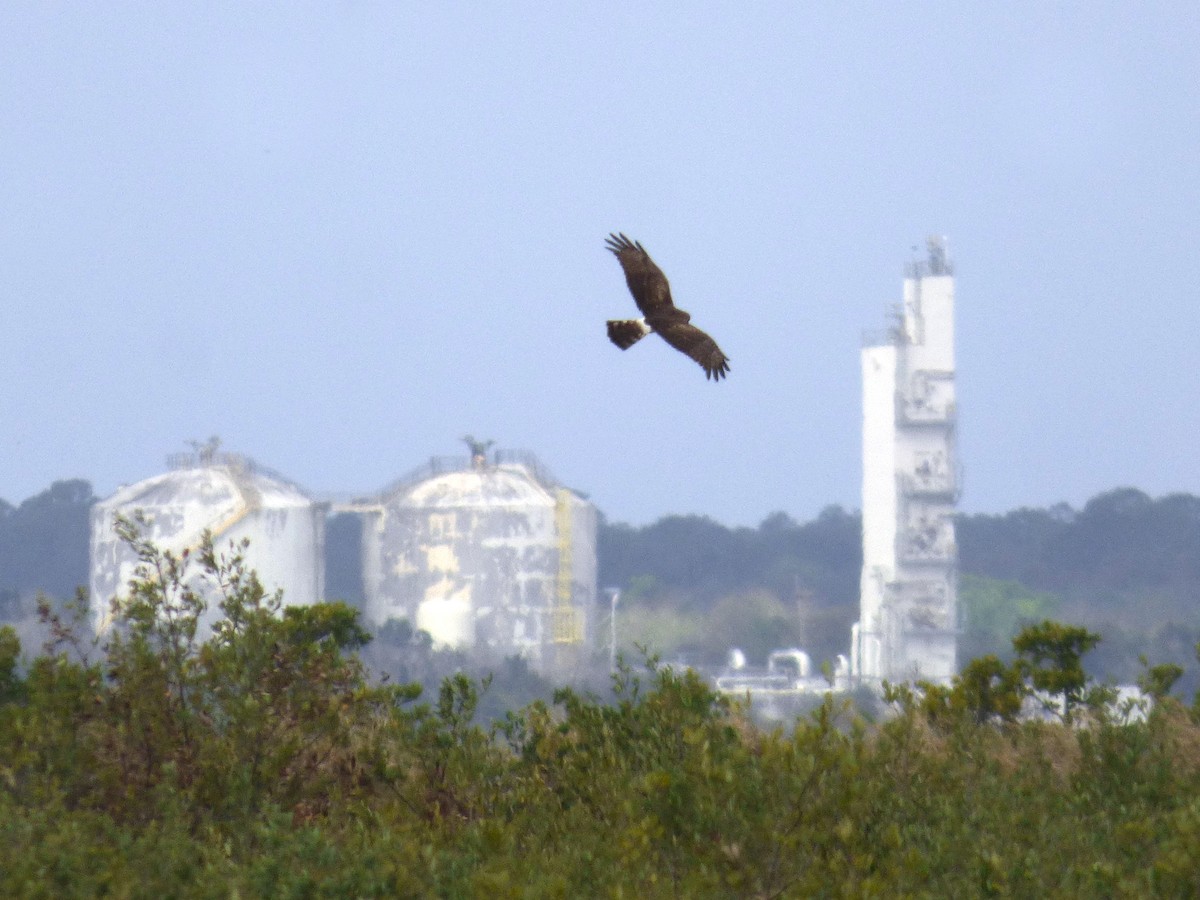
(907, 624)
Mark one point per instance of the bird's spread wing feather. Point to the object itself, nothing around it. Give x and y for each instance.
(647, 283)
(689, 339)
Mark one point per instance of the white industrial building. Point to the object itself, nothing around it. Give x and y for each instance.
(907, 627)
(231, 497)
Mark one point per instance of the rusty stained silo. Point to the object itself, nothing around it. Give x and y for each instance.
(232, 497)
(486, 553)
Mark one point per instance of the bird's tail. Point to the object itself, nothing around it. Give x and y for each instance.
(627, 332)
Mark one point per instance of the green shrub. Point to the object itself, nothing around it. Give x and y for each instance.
(262, 762)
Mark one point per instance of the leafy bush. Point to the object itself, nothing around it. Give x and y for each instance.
(264, 762)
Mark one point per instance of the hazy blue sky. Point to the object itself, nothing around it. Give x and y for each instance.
(341, 235)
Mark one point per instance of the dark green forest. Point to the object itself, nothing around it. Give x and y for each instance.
(44, 545)
(1126, 566)
(264, 762)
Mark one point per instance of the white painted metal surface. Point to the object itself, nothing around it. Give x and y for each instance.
(908, 615)
(489, 555)
(232, 498)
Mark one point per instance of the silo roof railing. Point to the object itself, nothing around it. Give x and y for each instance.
(237, 462)
(444, 465)
(529, 461)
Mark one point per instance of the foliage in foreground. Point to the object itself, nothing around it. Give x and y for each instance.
(264, 763)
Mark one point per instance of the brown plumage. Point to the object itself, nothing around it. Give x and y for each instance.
(652, 294)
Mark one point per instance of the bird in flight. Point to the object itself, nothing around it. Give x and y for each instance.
(652, 295)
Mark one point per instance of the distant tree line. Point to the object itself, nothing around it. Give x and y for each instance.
(692, 587)
(44, 544)
(1125, 565)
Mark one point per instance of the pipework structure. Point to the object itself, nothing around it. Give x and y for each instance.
(908, 619)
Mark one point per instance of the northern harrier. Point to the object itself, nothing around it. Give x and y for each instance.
(652, 294)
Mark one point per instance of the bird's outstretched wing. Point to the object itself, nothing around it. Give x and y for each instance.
(647, 283)
(689, 339)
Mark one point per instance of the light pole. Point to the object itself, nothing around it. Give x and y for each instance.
(614, 594)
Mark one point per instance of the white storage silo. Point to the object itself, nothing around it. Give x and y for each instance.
(234, 499)
(484, 553)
